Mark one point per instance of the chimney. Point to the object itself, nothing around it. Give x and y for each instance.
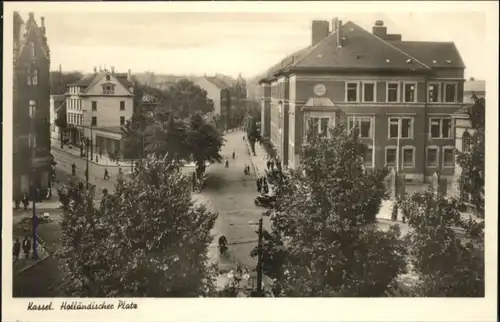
(95, 69)
(42, 19)
(129, 76)
(379, 29)
(338, 29)
(320, 30)
(31, 16)
(112, 70)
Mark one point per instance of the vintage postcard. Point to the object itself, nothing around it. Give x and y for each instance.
(328, 158)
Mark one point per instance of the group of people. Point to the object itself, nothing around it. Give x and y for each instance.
(273, 162)
(262, 185)
(26, 246)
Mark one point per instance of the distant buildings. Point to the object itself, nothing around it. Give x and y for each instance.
(213, 85)
(474, 87)
(387, 87)
(31, 106)
(57, 102)
(97, 106)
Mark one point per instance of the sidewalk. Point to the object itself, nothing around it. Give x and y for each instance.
(75, 151)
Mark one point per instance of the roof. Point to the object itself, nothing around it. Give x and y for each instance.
(319, 101)
(217, 82)
(31, 26)
(475, 86)
(363, 50)
(434, 54)
(89, 81)
(61, 106)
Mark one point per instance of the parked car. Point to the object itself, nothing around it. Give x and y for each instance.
(265, 201)
(46, 217)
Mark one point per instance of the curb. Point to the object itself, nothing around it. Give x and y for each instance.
(32, 265)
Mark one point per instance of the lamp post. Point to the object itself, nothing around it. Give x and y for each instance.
(89, 143)
(32, 138)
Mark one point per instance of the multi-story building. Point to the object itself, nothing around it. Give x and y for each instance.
(213, 86)
(401, 94)
(97, 106)
(233, 99)
(56, 102)
(31, 106)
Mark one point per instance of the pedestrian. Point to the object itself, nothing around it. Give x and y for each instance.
(248, 169)
(233, 154)
(259, 185)
(100, 153)
(26, 247)
(87, 174)
(120, 171)
(268, 163)
(106, 174)
(73, 169)
(17, 249)
(26, 201)
(227, 163)
(243, 138)
(266, 188)
(49, 193)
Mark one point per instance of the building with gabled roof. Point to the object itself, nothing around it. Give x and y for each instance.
(32, 160)
(97, 106)
(401, 95)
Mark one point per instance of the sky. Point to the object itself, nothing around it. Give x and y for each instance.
(231, 43)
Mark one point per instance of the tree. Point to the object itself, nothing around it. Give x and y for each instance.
(323, 217)
(446, 251)
(472, 161)
(204, 142)
(60, 80)
(147, 239)
(187, 98)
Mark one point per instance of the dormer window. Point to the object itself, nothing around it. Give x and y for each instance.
(409, 61)
(108, 78)
(32, 77)
(448, 61)
(32, 50)
(108, 89)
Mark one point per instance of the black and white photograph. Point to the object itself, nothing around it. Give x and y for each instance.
(248, 152)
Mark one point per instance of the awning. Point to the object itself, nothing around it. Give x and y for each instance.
(319, 103)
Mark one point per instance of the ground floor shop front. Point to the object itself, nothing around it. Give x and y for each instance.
(36, 177)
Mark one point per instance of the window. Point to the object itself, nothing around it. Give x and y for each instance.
(94, 120)
(94, 106)
(390, 156)
(432, 157)
(440, 128)
(404, 123)
(108, 89)
(368, 157)
(108, 77)
(32, 50)
(319, 124)
(393, 92)
(466, 141)
(32, 108)
(448, 157)
(32, 77)
(364, 125)
(122, 105)
(408, 157)
(433, 94)
(409, 92)
(368, 92)
(450, 93)
(352, 92)
(32, 140)
(122, 120)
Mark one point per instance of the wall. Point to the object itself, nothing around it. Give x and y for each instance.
(213, 93)
(108, 110)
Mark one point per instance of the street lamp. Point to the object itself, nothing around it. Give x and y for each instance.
(32, 137)
(89, 142)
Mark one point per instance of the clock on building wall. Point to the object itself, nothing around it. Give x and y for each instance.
(319, 90)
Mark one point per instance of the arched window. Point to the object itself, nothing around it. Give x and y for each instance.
(466, 142)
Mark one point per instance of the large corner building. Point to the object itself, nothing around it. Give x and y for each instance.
(31, 107)
(388, 87)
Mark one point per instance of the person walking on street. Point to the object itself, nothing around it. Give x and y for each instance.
(26, 247)
(26, 201)
(120, 171)
(259, 185)
(227, 163)
(17, 249)
(106, 174)
(266, 188)
(73, 169)
(86, 173)
(234, 154)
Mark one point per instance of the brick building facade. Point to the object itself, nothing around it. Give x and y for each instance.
(388, 87)
(31, 106)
